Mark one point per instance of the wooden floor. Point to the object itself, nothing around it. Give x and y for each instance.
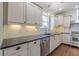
(65, 50)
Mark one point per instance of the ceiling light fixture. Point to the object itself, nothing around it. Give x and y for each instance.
(77, 6)
(60, 9)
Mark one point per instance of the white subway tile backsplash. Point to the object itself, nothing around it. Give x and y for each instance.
(19, 32)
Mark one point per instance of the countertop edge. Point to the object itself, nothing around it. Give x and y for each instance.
(30, 40)
(23, 42)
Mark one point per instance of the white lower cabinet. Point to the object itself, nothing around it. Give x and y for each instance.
(16, 50)
(55, 41)
(52, 43)
(34, 48)
(1, 52)
(66, 38)
(27, 49)
(21, 53)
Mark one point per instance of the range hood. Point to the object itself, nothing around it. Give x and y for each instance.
(75, 27)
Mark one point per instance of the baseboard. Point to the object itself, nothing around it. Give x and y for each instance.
(54, 50)
(69, 45)
(65, 44)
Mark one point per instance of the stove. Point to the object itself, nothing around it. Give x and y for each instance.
(75, 39)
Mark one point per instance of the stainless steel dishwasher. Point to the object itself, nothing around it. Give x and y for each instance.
(45, 46)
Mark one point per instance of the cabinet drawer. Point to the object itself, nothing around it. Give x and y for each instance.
(33, 43)
(21, 53)
(34, 48)
(12, 50)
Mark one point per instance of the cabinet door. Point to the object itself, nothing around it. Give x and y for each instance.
(1, 13)
(1, 23)
(16, 49)
(66, 38)
(58, 20)
(60, 17)
(66, 21)
(16, 12)
(57, 40)
(21, 53)
(34, 14)
(1, 52)
(34, 48)
(52, 43)
(38, 16)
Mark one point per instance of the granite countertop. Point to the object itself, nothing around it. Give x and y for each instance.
(21, 40)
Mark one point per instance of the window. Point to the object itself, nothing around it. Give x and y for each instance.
(45, 21)
(77, 12)
(52, 22)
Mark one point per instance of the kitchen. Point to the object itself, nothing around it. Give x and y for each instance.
(39, 28)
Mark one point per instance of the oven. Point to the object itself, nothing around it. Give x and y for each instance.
(75, 39)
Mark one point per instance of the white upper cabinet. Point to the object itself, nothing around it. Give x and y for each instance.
(22, 12)
(58, 20)
(16, 12)
(66, 21)
(60, 17)
(1, 23)
(33, 14)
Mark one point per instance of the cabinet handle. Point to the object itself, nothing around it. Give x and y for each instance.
(35, 23)
(18, 48)
(34, 42)
(24, 21)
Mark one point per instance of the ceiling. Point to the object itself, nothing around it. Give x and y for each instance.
(57, 7)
